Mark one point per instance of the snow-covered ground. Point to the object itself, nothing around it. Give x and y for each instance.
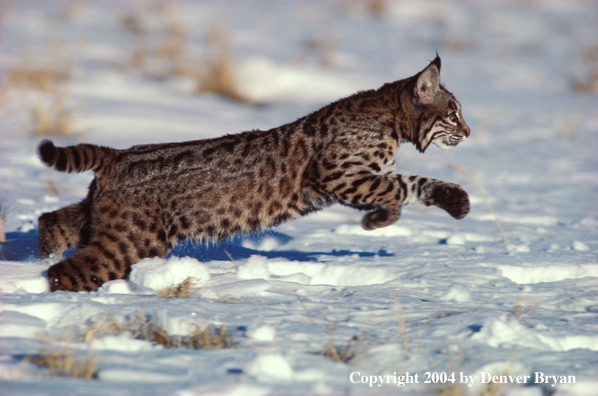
(427, 295)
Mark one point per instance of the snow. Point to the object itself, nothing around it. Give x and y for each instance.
(426, 295)
(158, 274)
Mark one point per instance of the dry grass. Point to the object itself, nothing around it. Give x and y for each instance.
(165, 56)
(587, 84)
(142, 328)
(485, 198)
(2, 225)
(43, 70)
(38, 77)
(133, 22)
(217, 75)
(185, 289)
(53, 117)
(322, 47)
(169, 55)
(586, 81)
(162, 52)
(398, 309)
(377, 8)
(311, 319)
(451, 389)
(64, 363)
(207, 338)
(34, 86)
(521, 310)
(340, 354)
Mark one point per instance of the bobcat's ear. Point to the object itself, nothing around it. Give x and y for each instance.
(427, 83)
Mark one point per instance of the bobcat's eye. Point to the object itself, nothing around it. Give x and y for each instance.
(453, 118)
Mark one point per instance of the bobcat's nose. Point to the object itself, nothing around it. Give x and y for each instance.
(466, 131)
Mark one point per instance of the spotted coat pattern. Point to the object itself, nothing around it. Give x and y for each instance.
(145, 199)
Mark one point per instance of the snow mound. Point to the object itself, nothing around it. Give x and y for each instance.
(262, 333)
(126, 375)
(159, 273)
(507, 331)
(270, 368)
(547, 273)
(123, 342)
(313, 273)
(17, 324)
(16, 277)
(119, 286)
(458, 292)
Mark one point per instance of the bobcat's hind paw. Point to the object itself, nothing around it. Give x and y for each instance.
(451, 198)
(378, 218)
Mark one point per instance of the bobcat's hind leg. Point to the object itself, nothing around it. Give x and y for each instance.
(62, 229)
(106, 258)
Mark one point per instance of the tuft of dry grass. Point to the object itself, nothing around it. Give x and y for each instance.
(29, 75)
(2, 225)
(521, 310)
(311, 319)
(53, 117)
(586, 81)
(163, 53)
(64, 363)
(210, 337)
(217, 74)
(485, 198)
(451, 389)
(322, 47)
(586, 85)
(185, 289)
(377, 8)
(133, 23)
(398, 309)
(44, 71)
(340, 354)
(142, 328)
(38, 81)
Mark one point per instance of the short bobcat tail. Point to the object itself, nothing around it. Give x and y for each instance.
(77, 158)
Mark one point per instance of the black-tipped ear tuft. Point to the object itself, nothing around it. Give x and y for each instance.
(47, 151)
(436, 61)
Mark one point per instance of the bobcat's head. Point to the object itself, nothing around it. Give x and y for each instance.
(438, 113)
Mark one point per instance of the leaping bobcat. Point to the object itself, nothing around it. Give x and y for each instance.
(145, 199)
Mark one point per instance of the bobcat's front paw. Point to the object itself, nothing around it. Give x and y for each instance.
(451, 198)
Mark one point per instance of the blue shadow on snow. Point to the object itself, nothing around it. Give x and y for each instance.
(22, 246)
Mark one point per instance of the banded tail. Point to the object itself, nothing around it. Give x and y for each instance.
(79, 158)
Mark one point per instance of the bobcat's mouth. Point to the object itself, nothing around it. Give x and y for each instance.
(447, 143)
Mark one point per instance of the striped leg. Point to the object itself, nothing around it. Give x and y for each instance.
(61, 230)
(386, 194)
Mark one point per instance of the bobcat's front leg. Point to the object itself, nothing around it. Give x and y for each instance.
(386, 194)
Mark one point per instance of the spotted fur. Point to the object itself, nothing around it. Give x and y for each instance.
(145, 199)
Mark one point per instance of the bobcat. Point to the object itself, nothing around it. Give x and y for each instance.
(146, 198)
